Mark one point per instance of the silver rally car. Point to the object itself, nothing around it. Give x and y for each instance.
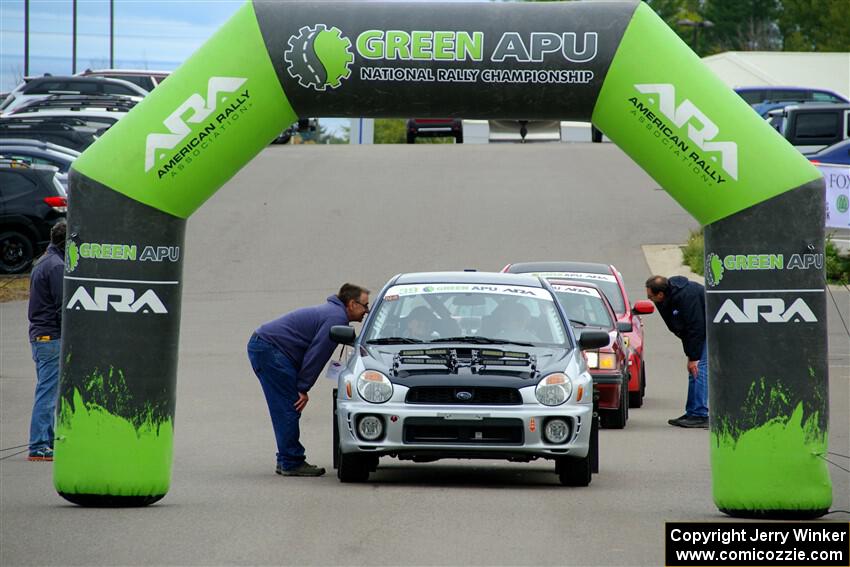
(466, 365)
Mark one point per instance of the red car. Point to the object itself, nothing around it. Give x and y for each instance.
(587, 308)
(610, 281)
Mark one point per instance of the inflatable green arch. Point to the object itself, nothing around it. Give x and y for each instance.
(614, 63)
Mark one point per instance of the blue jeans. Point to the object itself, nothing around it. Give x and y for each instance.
(277, 376)
(697, 403)
(45, 354)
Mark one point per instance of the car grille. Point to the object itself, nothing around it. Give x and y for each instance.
(448, 395)
(491, 431)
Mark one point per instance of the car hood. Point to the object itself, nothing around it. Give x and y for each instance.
(384, 358)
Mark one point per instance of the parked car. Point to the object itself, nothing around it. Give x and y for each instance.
(434, 128)
(812, 127)
(47, 154)
(588, 309)
(761, 94)
(43, 87)
(31, 201)
(144, 78)
(77, 103)
(38, 152)
(838, 154)
(69, 131)
(466, 365)
(610, 281)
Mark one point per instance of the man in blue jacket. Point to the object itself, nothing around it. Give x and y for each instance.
(287, 355)
(681, 304)
(45, 317)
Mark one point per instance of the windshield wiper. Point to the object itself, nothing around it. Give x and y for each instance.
(577, 322)
(393, 341)
(479, 340)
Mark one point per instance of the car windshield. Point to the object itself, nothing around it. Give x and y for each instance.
(583, 305)
(606, 282)
(474, 313)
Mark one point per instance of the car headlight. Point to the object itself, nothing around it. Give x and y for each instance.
(601, 360)
(374, 387)
(554, 389)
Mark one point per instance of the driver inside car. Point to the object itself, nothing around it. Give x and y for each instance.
(515, 324)
(419, 325)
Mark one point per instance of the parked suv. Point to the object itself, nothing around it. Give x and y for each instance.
(43, 87)
(148, 80)
(812, 127)
(31, 201)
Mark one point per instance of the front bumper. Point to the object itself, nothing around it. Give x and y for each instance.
(420, 431)
(608, 387)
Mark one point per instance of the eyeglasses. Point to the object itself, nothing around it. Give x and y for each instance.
(363, 305)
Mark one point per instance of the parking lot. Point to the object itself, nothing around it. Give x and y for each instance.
(286, 232)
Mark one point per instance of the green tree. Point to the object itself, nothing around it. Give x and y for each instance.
(815, 25)
(390, 131)
(743, 25)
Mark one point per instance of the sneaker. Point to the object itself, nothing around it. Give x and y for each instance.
(43, 454)
(677, 420)
(695, 422)
(304, 469)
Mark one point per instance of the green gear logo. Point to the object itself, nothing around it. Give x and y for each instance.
(72, 256)
(319, 57)
(713, 269)
(842, 203)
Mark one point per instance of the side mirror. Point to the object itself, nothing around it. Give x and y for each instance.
(342, 334)
(593, 339)
(624, 326)
(644, 307)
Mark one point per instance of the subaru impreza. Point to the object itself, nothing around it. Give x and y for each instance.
(466, 365)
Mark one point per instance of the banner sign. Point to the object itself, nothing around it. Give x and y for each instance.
(837, 179)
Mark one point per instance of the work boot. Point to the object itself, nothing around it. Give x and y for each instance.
(677, 420)
(694, 421)
(304, 469)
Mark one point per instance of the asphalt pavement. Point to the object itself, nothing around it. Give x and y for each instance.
(286, 232)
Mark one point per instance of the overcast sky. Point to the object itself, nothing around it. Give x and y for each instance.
(157, 34)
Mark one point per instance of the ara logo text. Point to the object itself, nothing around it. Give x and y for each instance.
(178, 126)
(122, 300)
(768, 309)
(687, 113)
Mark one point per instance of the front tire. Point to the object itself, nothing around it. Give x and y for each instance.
(574, 472)
(16, 252)
(636, 398)
(352, 467)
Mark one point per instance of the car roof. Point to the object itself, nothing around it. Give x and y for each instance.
(141, 72)
(486, 278)
(819, 106)
(29, 142)
(587, 267)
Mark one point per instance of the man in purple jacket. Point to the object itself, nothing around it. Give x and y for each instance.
(287, 355)
(45, 317)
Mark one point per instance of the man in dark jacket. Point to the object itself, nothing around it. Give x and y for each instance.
(45, 317)
(287, 355)
(681, 304)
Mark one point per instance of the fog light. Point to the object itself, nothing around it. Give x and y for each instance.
(370, 427)
(556, 431)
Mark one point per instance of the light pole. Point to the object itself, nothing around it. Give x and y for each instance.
(74, 37)
(111, 34)
(26, 37)
(696, 25)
